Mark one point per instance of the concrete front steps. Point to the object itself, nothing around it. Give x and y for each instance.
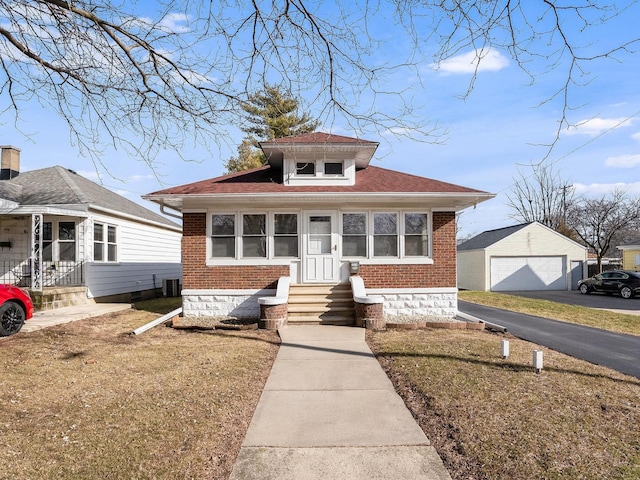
(321, 304)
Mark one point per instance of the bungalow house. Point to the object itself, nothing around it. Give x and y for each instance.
(631, 255)
(318, 213)
(69, 239)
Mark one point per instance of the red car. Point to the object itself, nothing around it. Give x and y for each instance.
(15, 308)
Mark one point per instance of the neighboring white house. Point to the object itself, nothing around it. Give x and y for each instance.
(529, 256)
(59, 229)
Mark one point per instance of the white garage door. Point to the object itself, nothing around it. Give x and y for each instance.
(528, 273)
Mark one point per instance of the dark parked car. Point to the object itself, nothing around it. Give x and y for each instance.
(15, 308)
(624, 282)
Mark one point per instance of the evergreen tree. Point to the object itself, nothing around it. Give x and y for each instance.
(270, 114)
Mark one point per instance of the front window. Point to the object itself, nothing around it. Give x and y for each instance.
(354, 234)
(285, 235)
(223, 236)
(385, 235)
(254, 236)
(416, 235)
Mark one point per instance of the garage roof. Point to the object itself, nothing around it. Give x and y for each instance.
(490, 237)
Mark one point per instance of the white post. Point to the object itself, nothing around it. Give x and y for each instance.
(504, 348)
(537, 360)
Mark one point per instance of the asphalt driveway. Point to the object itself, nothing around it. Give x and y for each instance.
(594, 300)
(614, 350)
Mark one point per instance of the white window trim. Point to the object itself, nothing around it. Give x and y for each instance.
(239, 260)
(55, 237)
(271, 259)
(401, 258)
(105, 243)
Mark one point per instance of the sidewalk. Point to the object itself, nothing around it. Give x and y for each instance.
(57, 316)
(328, 411)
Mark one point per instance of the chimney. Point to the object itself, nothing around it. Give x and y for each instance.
(10, 162)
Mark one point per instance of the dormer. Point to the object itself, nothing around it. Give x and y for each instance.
(318, 159)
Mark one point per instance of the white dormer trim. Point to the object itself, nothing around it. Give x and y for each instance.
(292, 178)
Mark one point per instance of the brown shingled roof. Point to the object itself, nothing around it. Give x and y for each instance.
(269, 180)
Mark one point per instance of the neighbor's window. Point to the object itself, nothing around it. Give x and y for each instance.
(354, 235)
(636, 259)
(105, 243)
(305, 168)
(67, 241)
(98, 242)
(47, 242)
(254, 235)
(416, 238)
(385, 235)
(223, 236)
(333, 168)
(112, 245)
(285, 235)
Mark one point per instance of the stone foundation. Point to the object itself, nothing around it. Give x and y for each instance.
(432, 305)
(58, 297)
(223, 303)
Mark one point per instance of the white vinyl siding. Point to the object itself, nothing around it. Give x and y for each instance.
(146, 255)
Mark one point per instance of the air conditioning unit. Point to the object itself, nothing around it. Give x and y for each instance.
(170, 287)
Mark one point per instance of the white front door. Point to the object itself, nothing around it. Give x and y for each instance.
(321, 247)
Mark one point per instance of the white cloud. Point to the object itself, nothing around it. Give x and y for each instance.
(596, 126)
(623, 161)
(470, 62)
(596, 189)
(175, 22)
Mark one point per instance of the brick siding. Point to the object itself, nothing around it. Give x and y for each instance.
(196, 275)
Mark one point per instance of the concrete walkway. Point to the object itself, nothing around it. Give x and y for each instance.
(57, 316)
(328, 411)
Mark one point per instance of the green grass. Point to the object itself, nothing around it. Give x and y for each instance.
(497, 419)
(607, 320)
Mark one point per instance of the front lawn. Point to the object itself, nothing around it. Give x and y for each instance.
(607, 320)
(86, 400)
(491, 418)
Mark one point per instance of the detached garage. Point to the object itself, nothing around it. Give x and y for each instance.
(529, 256)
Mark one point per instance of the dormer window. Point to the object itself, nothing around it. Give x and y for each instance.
(305, 168)
(319, 171)
(333, 168)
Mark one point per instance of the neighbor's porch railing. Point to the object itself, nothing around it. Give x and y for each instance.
(54, 274)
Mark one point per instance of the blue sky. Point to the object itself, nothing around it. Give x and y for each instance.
(490, 134)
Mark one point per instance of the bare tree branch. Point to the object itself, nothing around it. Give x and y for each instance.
(177, 74)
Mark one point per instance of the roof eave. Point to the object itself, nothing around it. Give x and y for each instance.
(437, 200)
